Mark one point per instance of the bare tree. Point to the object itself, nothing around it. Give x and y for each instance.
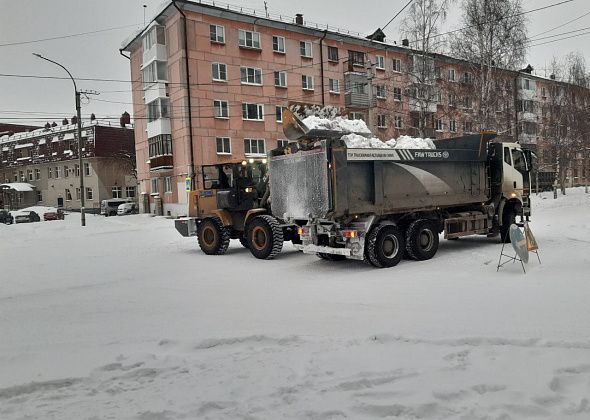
(421, 25)
(494, 39)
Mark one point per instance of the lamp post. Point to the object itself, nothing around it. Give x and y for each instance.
(78, 113)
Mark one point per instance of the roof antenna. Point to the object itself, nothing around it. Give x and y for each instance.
(266, 9)
(144, 7)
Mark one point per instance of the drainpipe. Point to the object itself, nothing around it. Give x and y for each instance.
(121, 52)
(191, 168)
(322, 66)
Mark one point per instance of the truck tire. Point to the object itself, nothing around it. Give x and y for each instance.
(212, 236)
(265, 237)
(422, 239)
(384, 246)
(508, 218)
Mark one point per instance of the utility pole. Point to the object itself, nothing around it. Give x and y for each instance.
(370, 65)
(79, 116)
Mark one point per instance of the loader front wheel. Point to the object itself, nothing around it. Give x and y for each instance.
(212, 236)
(384, 246)
(422, 239)
(264, 237)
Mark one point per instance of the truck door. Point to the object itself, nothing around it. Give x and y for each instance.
(513, 178)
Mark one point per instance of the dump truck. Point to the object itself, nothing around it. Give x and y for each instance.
(379, 205)
(233, 203)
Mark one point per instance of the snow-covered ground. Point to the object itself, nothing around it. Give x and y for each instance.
(125, 319)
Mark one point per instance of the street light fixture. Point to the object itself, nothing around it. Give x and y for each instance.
(78, 112)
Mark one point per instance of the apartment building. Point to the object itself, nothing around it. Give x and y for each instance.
(41, 167)
(212, 79)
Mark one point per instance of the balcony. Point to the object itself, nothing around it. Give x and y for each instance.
(159, 126)
(427, 106)
(356, 95)
(161, 163)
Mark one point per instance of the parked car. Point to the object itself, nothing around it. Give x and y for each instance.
(6, 217)
(54, 215)
(27, 217)
(126, 208)
(109, 207)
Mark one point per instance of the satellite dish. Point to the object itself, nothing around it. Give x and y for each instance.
(519, 243)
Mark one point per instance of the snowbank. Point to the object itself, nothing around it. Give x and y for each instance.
(355, 140)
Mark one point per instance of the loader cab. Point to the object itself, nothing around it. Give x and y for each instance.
(233, 186)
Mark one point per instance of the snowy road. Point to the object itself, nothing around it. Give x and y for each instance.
(125, 319)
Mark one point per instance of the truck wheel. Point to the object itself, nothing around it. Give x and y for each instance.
(243, 241)
(265, 237)
(384, 246)
(508, 218)
(212, 236)
(422, 239)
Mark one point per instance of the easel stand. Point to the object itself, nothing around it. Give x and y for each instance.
(509, 258)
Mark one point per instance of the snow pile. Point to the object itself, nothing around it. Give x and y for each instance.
(355, 140)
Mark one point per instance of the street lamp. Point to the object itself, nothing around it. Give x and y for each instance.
(78, 111)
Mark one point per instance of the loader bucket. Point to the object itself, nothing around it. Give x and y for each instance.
(293, 127)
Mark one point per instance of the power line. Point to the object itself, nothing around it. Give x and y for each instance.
(562, 25)
(8, 44)
(397, 14)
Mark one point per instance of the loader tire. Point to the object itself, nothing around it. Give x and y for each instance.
(244, 242)
(212, 236)
(265, 237)
(384, 246)
(422, 239)
(508, 218)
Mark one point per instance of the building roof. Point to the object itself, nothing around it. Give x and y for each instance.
(18, 186)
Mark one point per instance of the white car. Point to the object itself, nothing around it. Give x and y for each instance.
(126, 208)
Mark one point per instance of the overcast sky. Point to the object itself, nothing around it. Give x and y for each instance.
(97, 55)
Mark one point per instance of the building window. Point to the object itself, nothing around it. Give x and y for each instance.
(452, 100)
(254, 112)
(380, 91)
(168, 184)
(89, 194)
(78, 194)
(526, 84)
(468, 127)
(543, 92)
(254, 147)
(467, 78)
(39, 196)
(356, 58)
(22, 176)
(438, 124)
(160, 145)
(282, 143)
(467, 102)
(279, 114)
(306, 82)
(66, 171)
(249, 39)
(158, 109)
(381, 121)
(305, 49)
(380, 62)
(49, 173)
(86, 169)
(223, 145)
(117, 192)
(220, 109)
(217, 33)
(219, 72)
(154, 72)
(250, 76)
(281, 79)
(154, 182)
(453, 126)
(451, 75)
(278, 44)
(37, 174)
(156, 35)
(130, 192)
(334, 85)
(397, 94)
(30, 174)
(333, 54)
(77, 170)
(398, 121)
(57, 172)
(68, 195)
(397, 65)
(356, 116)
